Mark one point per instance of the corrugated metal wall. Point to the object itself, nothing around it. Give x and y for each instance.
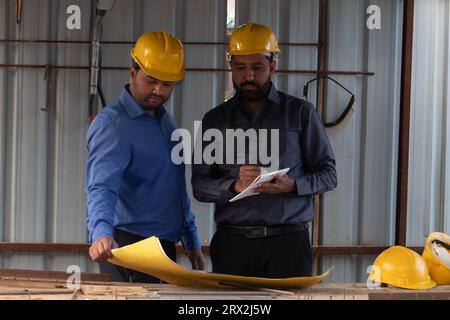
(361, 210)
(42, 154)
(429, 171)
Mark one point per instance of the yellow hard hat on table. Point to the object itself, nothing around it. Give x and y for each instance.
(252, 38)
(401, 267)
(160, 55)
(437, 256)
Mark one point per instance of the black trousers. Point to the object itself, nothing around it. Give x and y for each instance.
(120, 274)
(279, 256)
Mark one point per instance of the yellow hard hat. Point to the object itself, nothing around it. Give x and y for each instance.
(251, 38)
(437, 256)
(160, 55)
(401, 267)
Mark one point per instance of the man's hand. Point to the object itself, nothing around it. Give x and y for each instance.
(197, 259)
(247, 174)
(100, 250)
(281, 184)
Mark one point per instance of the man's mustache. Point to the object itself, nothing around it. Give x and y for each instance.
(249, 83)
(155, 96)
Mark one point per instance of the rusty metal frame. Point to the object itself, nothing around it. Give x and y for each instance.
(319, 72)
(19, 5)
(83, 248)
(403, 144)
(322, 58)
(198, 43)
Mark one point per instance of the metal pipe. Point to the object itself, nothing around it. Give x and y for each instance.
(15, 247)
(320, 96)
(47, 78)
(322, 72)
(18, 11)
(199, 43)
(405, 103)
(95, 52)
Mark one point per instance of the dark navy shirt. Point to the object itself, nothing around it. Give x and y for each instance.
(131, 182)
(303, 147)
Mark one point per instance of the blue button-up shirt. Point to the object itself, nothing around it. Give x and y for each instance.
(131, 182)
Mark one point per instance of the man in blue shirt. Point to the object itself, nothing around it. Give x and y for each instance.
(134, 190)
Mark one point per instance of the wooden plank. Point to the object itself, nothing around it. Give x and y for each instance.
(412, 295)
(32, 289)
(38, 274)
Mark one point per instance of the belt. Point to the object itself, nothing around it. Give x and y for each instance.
(254, 232)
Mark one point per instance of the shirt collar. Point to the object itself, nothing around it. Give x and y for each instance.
(273, 94)
(133, 108)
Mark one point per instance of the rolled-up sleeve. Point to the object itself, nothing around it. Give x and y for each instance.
(208, 184)
(108, 156)
(189, 234)
(317, 155)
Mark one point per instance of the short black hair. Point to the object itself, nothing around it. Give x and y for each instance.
(135, 65)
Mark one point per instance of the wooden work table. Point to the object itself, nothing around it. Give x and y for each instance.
(14, 288)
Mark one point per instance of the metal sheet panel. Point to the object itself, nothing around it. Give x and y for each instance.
(204, 21)
(42, 154)
(361, 210)
(3, 101)
(25, 153)
(428, 187)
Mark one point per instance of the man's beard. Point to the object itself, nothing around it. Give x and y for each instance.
(150, 107)
(252, 95)
(143, 100)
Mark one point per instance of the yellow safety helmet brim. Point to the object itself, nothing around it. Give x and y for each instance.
(399, 284)
(419, 286)
(393, 282)
(249, 52)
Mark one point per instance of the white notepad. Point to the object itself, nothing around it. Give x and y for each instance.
(264, 177)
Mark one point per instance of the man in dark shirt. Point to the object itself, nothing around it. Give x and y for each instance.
(267, 234)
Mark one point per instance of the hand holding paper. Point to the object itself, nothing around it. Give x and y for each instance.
(262, 178)
(282, 183)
